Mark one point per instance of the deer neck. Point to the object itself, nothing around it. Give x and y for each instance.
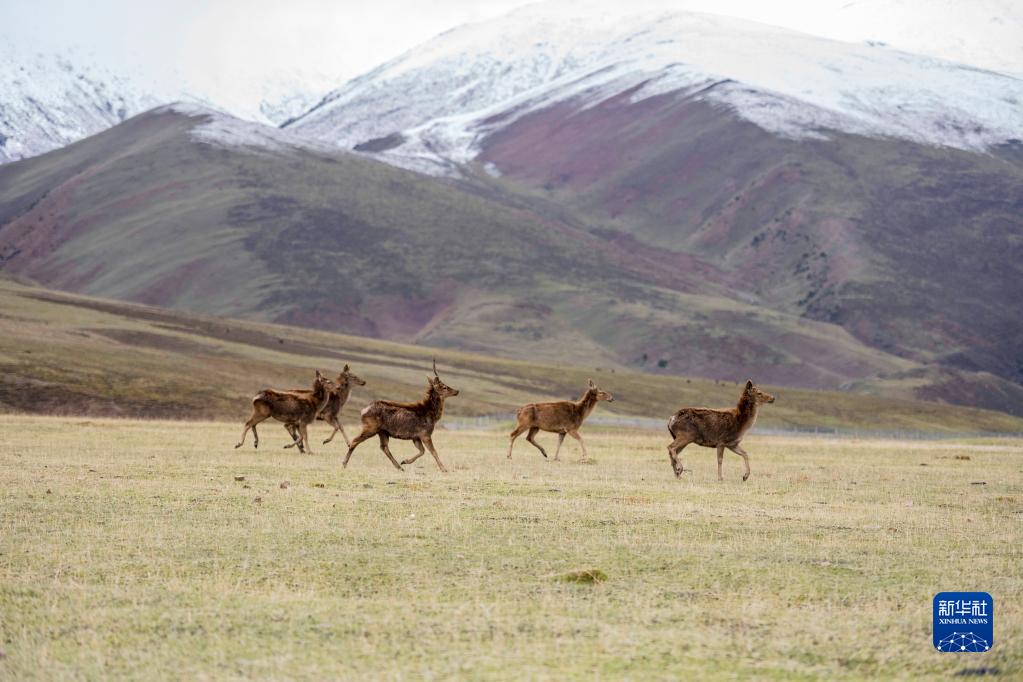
(586, 404)
(747, 412)
(322, 396)
(434, 404)
(343, 391)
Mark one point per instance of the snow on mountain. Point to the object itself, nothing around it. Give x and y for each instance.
(50, 100)
(430, 108)
(224, 130)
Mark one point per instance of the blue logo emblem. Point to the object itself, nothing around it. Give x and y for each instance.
(964, 622)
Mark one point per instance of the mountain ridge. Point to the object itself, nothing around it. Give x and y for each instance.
(466, 84)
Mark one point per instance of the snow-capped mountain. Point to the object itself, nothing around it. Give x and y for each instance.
(49, 100)
(430, 108)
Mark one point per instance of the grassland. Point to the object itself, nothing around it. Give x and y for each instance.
(65, 354)
(135, 549)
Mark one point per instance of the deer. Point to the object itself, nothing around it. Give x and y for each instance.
(716, 428)
(298, 408)
(560, 417)
(406, 421)
(332, 412)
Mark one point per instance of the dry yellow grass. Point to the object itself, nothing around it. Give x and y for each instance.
(129, 549)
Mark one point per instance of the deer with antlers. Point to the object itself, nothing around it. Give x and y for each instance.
(716, 428)
(406, 421)
(298, 408)
(561, 417)
(332, 412)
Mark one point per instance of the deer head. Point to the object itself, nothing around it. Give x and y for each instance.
(322, 385)
(442, 389)
(756, 395)
(347, 376)
(600, 393)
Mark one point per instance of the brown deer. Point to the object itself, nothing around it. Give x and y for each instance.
(561, 417)
(406, 421)
(716, 428)
(291, 407)
(332, 412)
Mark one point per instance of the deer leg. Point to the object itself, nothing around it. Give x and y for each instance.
(303, 430)
(332, 433)
(387, 451)
(428, 441)
(365, 435)
(419, 446)
(674, 450)
(561, 439)
(251, 424)
(512, 436)
(575, 434)
(337, 427)
(293, 432)
(721, 458)
(530, 436)
(737, 449)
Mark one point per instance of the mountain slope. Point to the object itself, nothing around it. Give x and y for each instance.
(194, 210)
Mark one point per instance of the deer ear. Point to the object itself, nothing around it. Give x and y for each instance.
(346, 368)
(592, 385)
(749, 384)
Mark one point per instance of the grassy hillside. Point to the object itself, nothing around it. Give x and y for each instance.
(133, 550)
(65, 354)
(913, 251)
(151, 213)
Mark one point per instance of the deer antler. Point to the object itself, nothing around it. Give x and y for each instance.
(435, 368)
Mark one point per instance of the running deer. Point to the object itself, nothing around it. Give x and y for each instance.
(297, 408)
(716, 428)
(559, 417)
(332, 412)
(406, 421)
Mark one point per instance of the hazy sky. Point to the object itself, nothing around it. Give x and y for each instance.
(324, 42)
(342, 38)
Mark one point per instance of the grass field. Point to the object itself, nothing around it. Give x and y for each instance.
(65, 354)
(132, 549)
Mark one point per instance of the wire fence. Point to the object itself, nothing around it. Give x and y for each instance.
(507, 422)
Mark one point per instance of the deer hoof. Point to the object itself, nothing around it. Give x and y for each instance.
(745, 476)
(238, 446)
(326, 441)
(404, 462)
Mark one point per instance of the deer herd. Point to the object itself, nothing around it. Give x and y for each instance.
(386, 419)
